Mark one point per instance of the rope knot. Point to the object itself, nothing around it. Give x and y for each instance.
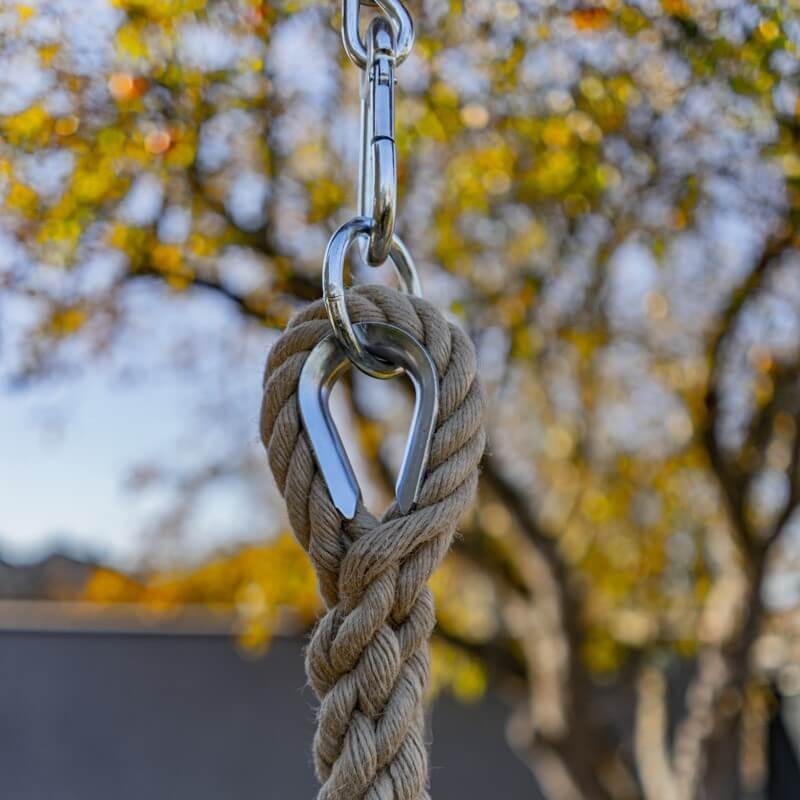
(368, 657)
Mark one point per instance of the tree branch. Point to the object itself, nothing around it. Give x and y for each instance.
(732, 481)
(298, 288)
(719, 739)
(546, 546)
(792, 471)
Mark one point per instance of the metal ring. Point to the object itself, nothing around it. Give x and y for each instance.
(397, 14)
(333, 293)
(377, 189)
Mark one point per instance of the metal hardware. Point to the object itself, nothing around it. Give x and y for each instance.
(377, 349)
(334, 296)
(397, 14)
(377, 170)
(327, 361)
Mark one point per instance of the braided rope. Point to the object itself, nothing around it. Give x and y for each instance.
(368, 659)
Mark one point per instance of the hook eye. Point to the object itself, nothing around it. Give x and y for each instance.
(327, 361)
(398, 15)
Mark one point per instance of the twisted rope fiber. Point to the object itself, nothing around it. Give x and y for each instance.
(368, 659)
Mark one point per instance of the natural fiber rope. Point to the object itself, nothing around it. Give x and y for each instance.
(368, 658)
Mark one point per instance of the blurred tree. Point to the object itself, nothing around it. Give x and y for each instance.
(608, 195)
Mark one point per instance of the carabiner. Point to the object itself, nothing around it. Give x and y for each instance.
(326, 362)
(334, 297)
(377, 170)
(397, 14)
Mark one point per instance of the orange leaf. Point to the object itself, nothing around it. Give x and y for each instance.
(590, 19)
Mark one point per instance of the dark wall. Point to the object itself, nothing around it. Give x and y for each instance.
(783, 782)
(102, 717)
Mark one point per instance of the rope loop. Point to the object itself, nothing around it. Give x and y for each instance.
(368, 659)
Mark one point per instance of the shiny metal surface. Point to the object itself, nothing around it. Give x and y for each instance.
(377, 185)
(333, 291)
(327, 361)
(395, 11)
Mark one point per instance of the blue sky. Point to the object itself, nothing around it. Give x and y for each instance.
(180, 386)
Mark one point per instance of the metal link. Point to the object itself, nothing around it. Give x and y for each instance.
(334, 297)
(395, 11)
(377, 189)
(390, 37)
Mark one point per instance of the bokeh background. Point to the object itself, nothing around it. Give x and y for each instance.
(605, 195)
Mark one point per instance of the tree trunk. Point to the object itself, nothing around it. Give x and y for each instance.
(722, 775)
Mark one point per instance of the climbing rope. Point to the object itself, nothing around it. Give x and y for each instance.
(368, 659)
